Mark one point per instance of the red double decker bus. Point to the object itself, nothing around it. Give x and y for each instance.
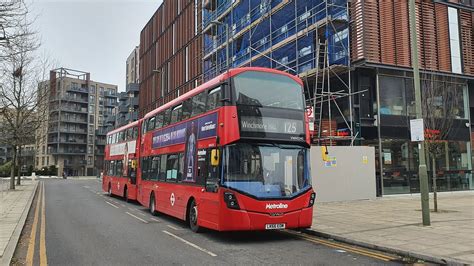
(231, 154)
(121, 160)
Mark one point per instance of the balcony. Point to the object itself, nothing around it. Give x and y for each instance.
(130, 117)
(110, 119)
(109, 94)
(132, 87)
(110, 103)
(123, 109)
(66, 151)
(100, 142)
(71, 141)
(68, 108)
(70, 99)
(101, 132)
(132, 101)
(69, 163)
(78, 89)
(72, 120)
(54, 129)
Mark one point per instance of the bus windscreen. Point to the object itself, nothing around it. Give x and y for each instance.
(264, 89)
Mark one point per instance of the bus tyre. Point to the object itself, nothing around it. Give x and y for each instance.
(193, 217)
(152, 205)
(125, 194)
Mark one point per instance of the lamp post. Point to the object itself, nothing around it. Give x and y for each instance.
(215, 22)
(422, 171)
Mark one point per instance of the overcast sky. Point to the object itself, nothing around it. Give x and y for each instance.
(95, 36)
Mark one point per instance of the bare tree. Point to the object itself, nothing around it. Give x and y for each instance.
(441, 106)
(14, 25)
(21, 75)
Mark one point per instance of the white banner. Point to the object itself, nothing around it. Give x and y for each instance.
(123, 148)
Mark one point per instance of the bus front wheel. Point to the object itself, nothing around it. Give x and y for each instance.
(193, 217)
(125, 194)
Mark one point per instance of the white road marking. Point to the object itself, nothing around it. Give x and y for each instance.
(85, 186)
(156, 220)
(141, 213)
(172, 227)
(123, 205)
(191, 244)
(136, 217)
(113, 205)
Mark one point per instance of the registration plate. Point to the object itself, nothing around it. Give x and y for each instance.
(274, 226)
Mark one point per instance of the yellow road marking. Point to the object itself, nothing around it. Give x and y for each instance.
(31, 245)
(344, 247)
(43, 256)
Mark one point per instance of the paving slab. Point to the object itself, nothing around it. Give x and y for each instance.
(393, 223)
(14, 207)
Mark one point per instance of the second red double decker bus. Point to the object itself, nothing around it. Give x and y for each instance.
(121, 159)
(231, 154)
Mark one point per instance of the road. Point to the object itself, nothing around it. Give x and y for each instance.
(74, 223)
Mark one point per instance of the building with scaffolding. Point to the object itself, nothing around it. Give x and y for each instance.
(80, 113)
(354, 58)
(305, 38)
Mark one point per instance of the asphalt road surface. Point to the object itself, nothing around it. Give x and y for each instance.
(72, 222)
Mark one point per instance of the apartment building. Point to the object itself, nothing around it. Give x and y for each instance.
(79, 111)
(170, 53)
(127, 109)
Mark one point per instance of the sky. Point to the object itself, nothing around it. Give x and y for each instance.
(94, 36)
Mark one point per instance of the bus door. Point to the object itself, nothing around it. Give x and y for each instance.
(208, 171)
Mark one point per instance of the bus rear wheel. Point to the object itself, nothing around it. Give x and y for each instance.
(125, 194)
(193, 217)
(152, 205)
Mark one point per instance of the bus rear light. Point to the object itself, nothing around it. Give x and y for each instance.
(312, 199)
(231, 201)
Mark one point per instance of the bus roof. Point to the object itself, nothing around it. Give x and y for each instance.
(134, 123)
(218, 79)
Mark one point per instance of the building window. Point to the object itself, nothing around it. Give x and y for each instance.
(195, 17)
(454, 42)
(174, 38)
(187, 63)
(47, 160)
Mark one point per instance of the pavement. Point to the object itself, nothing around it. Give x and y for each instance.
(393, 224)
(14, 207)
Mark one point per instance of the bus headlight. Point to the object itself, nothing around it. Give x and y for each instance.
(312, 199)
(231, 201)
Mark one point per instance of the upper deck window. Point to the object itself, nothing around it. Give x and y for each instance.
(268, 90)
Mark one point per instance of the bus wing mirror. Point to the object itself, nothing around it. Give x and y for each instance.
(215, 157)
(134, 164)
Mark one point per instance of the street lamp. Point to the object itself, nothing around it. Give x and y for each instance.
(422, 171)
(215, 22)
